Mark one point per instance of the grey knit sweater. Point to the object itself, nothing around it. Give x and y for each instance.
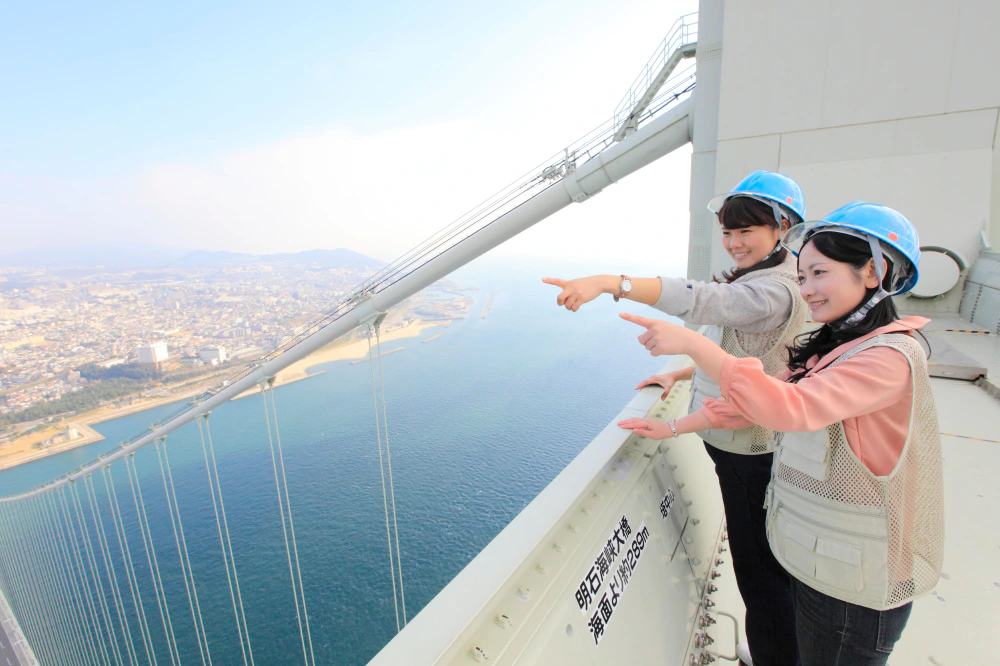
(755, 307)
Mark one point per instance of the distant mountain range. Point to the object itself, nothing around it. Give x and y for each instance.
(137, 256)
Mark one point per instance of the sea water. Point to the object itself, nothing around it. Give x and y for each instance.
(480, 420)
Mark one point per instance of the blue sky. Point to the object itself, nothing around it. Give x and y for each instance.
(104, 105)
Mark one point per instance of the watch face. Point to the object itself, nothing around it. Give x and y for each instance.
(626, 285)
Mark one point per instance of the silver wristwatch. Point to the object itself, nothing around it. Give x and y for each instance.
(673, 426)
(625, 289)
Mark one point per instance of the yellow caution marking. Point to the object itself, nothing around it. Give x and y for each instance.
(976, 439)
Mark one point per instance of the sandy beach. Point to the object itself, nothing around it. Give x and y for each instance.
(342, 352)
(22, 450)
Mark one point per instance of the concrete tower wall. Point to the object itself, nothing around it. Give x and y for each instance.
(894, 102)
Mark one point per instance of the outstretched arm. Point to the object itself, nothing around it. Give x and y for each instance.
(869, 381)
(663, 338)
(654, 429)
(583, 290)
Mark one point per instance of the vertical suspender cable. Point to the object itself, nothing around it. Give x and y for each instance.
(282, 502)
(219, 508)
(130, 577)
(56, 611)
(385, 499)
(291, 525)
(182, 553)
(8, 581)
(13, 583)
(84, 581)
(33, 590)
(36, 589)
(109, 567)
(154, 565)
(392, 487)
(74, 573)
(63, 573)
(21, 570)
(95, 572)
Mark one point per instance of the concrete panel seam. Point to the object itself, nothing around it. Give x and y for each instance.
(870, 122)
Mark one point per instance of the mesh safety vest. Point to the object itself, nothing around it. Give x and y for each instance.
(771, 347)
(874, 541)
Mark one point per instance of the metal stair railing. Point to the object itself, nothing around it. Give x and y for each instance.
(680, 43)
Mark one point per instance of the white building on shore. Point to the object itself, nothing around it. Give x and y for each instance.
(213, 355)
(152, 354)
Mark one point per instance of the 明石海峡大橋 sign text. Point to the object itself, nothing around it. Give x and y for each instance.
(614, 564)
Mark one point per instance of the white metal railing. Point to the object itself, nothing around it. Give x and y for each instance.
(683, 33)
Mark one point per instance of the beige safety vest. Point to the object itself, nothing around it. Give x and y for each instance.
(874, 541)
(771, 347)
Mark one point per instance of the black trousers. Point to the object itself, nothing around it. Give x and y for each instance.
(764, 584)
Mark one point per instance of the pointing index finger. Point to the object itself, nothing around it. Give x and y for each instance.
(645, 322)
(554, 281)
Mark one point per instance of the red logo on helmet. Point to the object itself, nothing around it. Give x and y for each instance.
(788, 200)
(893, 236)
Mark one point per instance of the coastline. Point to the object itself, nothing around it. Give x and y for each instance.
(356, 349)
(24, 452)
(18, 453)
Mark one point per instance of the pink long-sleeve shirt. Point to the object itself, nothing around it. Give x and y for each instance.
(870, 393)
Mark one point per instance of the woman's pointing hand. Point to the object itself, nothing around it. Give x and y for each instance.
(582, 290)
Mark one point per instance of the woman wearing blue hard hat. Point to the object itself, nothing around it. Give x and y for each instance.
(754, 311)
(855, 509)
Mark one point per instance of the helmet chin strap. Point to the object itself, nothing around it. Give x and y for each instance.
(879, 295)
(779, 215)
(776, 250)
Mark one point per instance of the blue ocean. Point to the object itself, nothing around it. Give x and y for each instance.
(480, 420)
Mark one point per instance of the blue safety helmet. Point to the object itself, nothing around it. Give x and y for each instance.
(888, 233)
(778, 191)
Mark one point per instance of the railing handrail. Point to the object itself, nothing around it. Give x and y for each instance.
(683, 32)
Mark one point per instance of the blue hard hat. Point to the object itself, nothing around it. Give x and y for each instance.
(895, 235)
(771, 188)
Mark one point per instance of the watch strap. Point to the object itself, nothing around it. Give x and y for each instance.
(621, 289)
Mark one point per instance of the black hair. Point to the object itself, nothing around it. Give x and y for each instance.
(857, 253)
(743, 213)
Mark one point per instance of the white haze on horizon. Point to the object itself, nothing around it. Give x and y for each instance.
(377, 194)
